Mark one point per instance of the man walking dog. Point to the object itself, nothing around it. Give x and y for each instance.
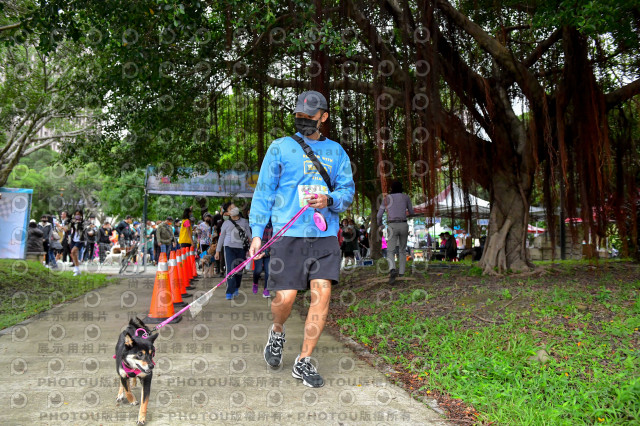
(305, 168)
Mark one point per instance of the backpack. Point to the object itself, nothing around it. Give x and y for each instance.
(53, 235)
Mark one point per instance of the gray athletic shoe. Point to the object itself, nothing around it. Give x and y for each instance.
(304, 370)
(273, 349)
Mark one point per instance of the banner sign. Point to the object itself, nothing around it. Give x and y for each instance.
(483, 222)
(211, 184)
(15, 208)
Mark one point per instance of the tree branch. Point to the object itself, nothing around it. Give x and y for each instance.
(367, 28)
(10, 26)
(542, 48)
(342, 84)
(622, 94)
(525, 79)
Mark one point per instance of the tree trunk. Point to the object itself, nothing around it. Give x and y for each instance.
(505, 246)
(320, 70)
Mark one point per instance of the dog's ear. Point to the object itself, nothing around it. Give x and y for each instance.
(128, 340)
(153, 337)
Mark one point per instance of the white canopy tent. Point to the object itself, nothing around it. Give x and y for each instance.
(451, 202)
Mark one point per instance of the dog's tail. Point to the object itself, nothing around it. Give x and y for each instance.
(137, 323)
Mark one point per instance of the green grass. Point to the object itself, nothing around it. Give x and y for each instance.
(589, 328)
(28, 288)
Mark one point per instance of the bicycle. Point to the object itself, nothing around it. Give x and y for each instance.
(131, 253)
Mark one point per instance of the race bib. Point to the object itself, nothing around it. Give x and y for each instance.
(304, 190)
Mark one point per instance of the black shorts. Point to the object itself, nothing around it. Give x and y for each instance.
(295, 261)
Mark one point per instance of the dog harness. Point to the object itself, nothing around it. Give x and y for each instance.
(133, 372)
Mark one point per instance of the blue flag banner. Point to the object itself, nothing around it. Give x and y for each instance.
(15, 208)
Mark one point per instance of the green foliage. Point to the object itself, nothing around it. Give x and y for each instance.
(592, 376)
(53, 189)
(56, 188)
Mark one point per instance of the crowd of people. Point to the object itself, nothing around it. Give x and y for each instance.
(75, 240)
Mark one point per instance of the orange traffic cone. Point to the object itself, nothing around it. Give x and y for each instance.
(182, 273)
(162, 299)
(193, 263)
(174, 280)
(188, 268)
(187, 262)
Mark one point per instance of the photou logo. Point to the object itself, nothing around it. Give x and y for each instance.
(163, 365)
(346, 364)
(164, 398)
(91, 399)
(310, 397)
(239, 332)
(274, 398)
(19, 333)
(18, 400)
(128, 299)
(91, 299)
(55, 399)
(237, 366)
(199, 399)
(55, 366)
(19, 300)
(200, 332)
(346, 397)
(57, 332)
(383, 397)
(92, 332)
(237, 399)
(18, 367)
(199, 365)
(90, 365)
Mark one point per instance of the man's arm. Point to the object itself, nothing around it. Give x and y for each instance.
(264, 194)
(345, 187)
(223, 234)
(409, 205)
(380, 213)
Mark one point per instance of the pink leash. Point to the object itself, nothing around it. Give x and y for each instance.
(238, 268)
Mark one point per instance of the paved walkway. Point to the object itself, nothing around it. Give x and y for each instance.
(58, 368)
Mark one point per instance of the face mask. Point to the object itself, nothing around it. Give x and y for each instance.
(306, 126)
(225, 218)
(234, 211)
(78, 217)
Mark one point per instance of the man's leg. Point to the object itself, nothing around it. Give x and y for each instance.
(317, 316)
(403, 235)
(391, 244)
(281, 308)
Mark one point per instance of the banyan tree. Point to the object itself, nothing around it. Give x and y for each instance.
(513, 96)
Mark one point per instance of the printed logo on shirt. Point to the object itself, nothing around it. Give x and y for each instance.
(310, 169)
(310, 189)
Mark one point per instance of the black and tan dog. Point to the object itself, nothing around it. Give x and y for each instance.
(208, 262)
(134, 359)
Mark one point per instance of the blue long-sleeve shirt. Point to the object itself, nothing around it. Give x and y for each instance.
(286, 174)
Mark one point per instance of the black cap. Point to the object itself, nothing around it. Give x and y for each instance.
(310, 102)
(169, 219)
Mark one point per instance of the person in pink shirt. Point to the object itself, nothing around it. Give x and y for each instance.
(384, 247)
